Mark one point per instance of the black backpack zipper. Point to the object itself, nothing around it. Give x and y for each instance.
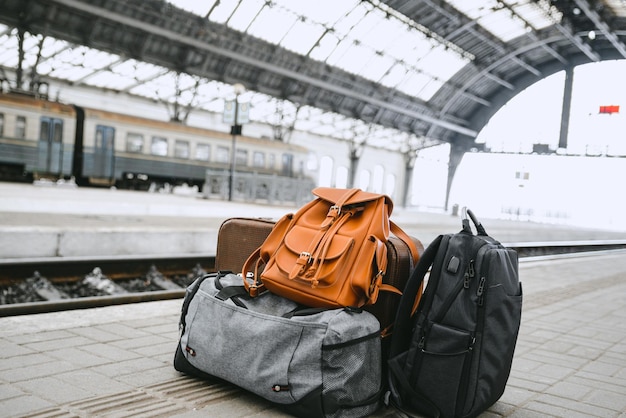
(480, 321)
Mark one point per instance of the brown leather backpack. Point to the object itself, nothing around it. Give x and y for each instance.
(330, 253)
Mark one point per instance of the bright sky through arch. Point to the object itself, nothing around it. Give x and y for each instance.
(583, 188)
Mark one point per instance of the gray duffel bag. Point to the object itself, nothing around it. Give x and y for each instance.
(313, 362)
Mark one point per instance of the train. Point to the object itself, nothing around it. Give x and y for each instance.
(46, 139)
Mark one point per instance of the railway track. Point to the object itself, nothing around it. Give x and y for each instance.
(58, 284)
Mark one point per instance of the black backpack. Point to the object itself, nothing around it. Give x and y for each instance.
(452, 356)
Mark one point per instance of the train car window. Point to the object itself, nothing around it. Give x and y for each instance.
(103, 153)
(51, 130)
(44, 129)
(242, 157)
(158, 146)
(287, 169)
(223, 154)
(258, 159)
(1, 124)
(105, 137)
(181, 149)
(57, 130)
(20, 127)
(203, 152)
(134, 142)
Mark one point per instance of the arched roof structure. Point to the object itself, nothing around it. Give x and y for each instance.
(400, 74)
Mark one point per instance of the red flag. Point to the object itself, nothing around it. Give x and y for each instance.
(609, 109)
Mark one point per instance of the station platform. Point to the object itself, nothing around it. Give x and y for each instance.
(570, 359)
(63, 221)
(117, 361)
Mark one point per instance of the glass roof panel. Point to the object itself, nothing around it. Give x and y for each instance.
(429, 90)
(538, 16)
(109, 80)
(414, 83)
(272, 24)
(343, 33)
(326, 12)
(354, 58)
(394, 75)
(503, 24)
(52, 47)
(377, 66)
(360, 37)
(302, 37)
(362, 29)
(222, 11)
(508, 19)
(340, 50)
(136, 70)
(384, 33)
(243, 15)
(345, 23)
(156, 88)
(324, 47)
(439, 63)
(410, 46)
(69, 72)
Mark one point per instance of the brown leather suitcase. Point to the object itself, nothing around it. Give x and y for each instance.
(237, 238)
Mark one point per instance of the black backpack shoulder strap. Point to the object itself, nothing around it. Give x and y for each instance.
(401, 336)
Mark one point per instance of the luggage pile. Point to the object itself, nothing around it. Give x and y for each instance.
(326, 312)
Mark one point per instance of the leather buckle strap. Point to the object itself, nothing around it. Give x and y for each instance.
(334, 211)
(304, 256)
(254, 290)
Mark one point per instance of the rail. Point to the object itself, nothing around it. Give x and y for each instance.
(62, 270)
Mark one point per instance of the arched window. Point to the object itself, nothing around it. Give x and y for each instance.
(390, 184)
(378, 179)
(364, 180)
(325, 177)
(341, 177)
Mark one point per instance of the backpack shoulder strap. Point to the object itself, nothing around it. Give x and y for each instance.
(402, 324)
(401, 337)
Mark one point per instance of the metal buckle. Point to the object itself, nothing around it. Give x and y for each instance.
(306, 255)
(334, 210)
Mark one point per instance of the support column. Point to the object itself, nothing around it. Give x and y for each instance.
(456, 156)
(355, 152)
(19, 71)
(567, 104)
(409, 164)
